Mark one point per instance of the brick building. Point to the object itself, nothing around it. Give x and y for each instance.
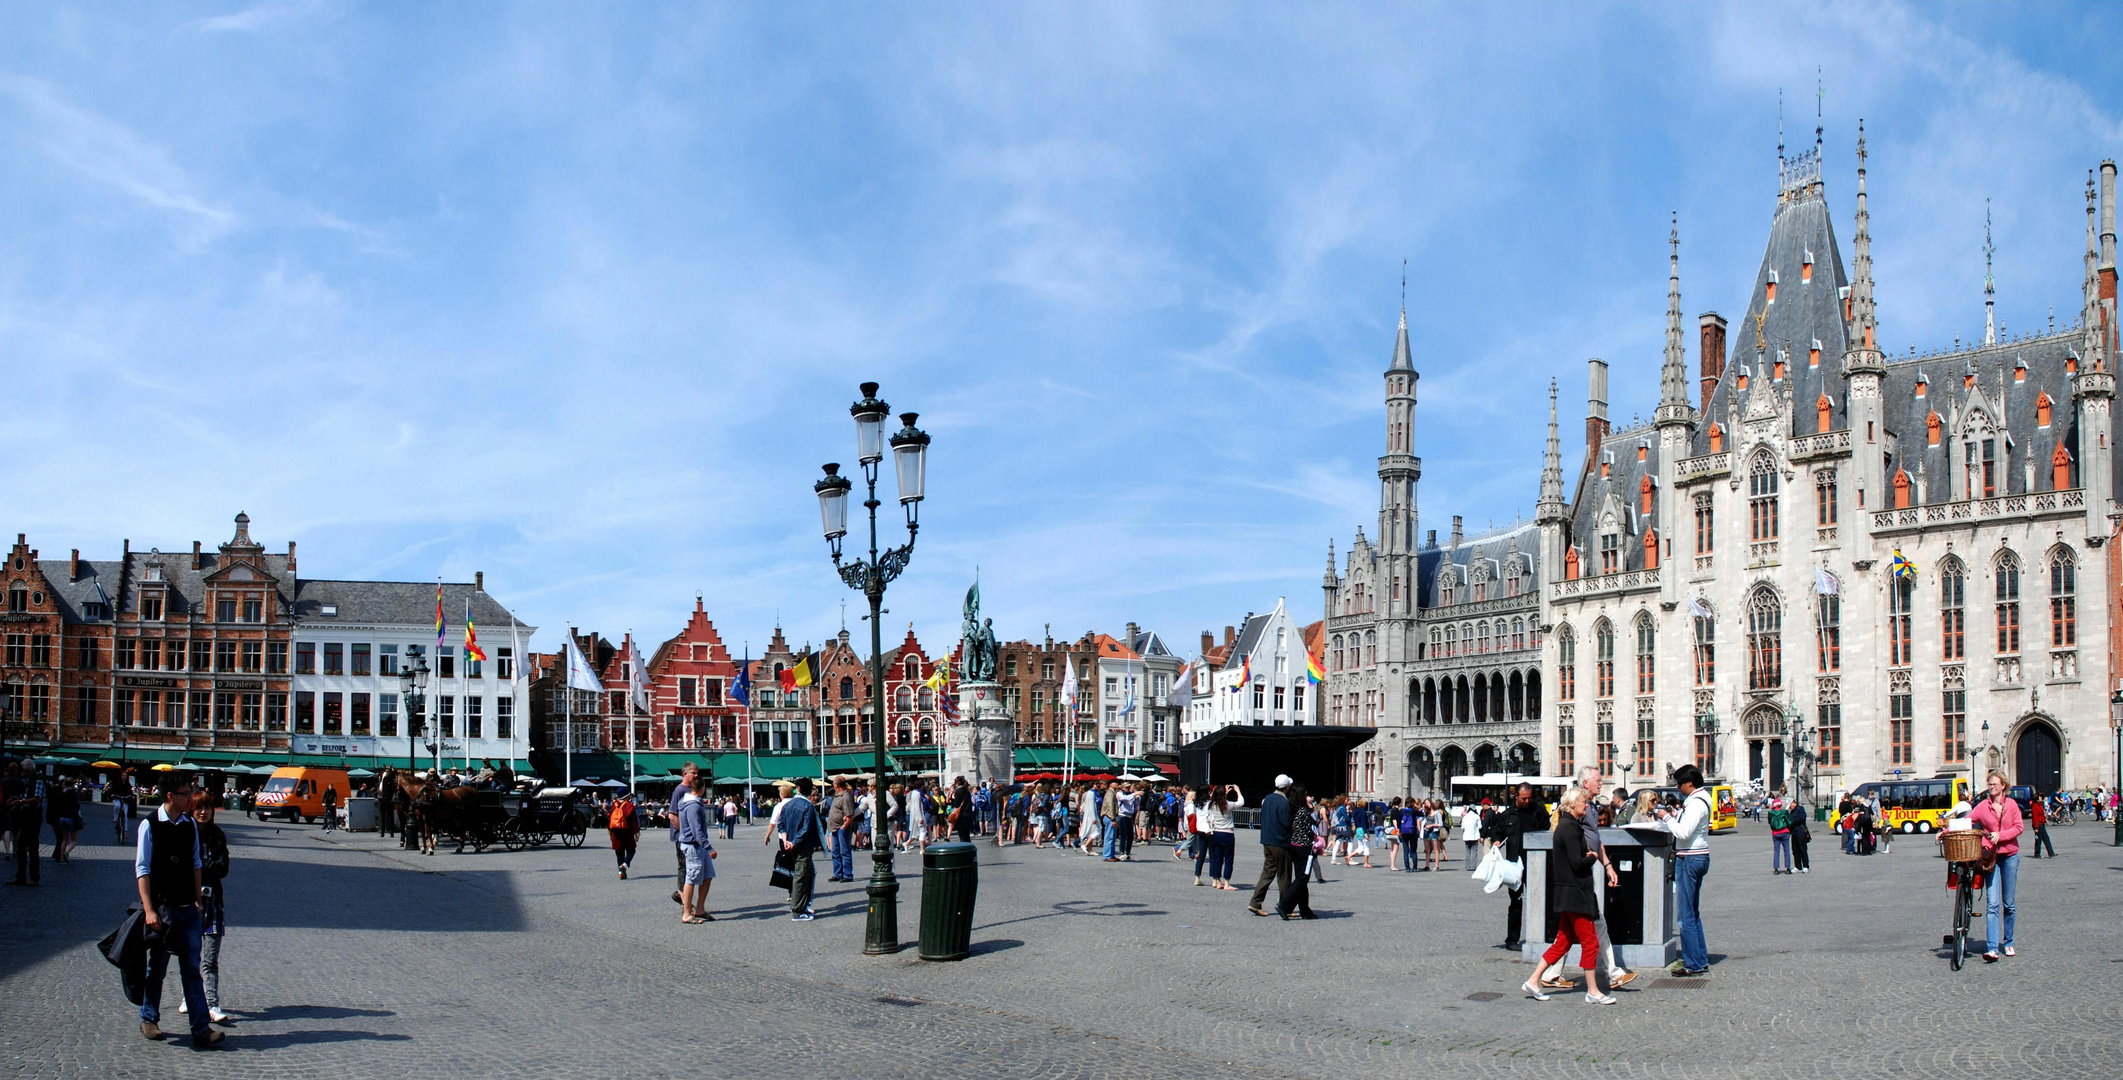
(843, 695)
(1031, 678)
(691, 677)
(781, 719)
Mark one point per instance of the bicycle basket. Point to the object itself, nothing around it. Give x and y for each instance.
(1962, 845)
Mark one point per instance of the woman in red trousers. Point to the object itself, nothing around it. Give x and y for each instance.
(1570, 897)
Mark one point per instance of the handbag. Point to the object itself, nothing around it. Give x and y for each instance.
(783, 876)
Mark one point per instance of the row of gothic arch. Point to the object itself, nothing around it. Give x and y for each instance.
(1486, 697)
(1431, 772)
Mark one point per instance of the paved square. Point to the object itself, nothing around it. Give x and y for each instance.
(347, 958)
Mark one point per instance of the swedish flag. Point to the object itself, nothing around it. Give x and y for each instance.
(1901, 567)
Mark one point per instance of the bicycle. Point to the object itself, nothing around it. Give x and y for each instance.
(1964, 898)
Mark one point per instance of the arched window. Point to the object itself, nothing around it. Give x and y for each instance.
(1518, 634)
(1452, 640)
(1518, 697)
(2008, 594)
(1437, 641)
(1447, 587)
(1370, 646)
(1566, 664)
(1430, 701)
(1762, 499)
(1706, 645)
(904, 700)
(1647, 640)
(1953, 614)
(928, 699)
(928, 731)
(1337, 652)
(905, 732)
(2063, 600)
(1828, 630)
(1482, 714)
(1603, 659)
(1765, 641)
(847, 688)
(1481, 636)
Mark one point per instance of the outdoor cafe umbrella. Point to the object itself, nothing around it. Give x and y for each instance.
(105, 765)
(585, 782)
(164, 767)
(359, 774)
(613, 784)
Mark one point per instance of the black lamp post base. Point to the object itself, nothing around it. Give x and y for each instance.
(881, 935)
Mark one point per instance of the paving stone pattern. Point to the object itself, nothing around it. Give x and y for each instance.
(348, 957)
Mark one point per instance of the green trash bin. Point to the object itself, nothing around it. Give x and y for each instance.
(950, 876)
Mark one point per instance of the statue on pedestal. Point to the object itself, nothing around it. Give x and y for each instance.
(980, 744)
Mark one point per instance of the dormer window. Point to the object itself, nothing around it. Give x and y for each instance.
(1772, 287)
(2019, 372)
(2042, 408)
(2071, 363)
(1743, 378)
(1923, 386)
(1806, 269)
(1813, 354)
(151, 607)
(1610, 552)
(1717, 437)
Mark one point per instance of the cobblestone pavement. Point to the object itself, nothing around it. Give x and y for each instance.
(350, 958)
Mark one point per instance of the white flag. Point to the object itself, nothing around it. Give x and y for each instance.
(1824, 582)
(1068, 690)
(637, 679)
(581, 676)
(1700, 608)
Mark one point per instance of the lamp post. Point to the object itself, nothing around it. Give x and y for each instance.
(412, 681)
(1627, 765)
(2115, 721)
(910, 450)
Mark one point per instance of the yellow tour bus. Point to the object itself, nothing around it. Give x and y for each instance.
(1724, 809)
(1915, 806)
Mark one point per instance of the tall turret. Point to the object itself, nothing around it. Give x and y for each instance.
(1398, 471)
(1673, 380)
(2094, 388)
(1863, 363)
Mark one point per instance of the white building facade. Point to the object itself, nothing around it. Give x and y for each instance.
(351, 640)
(1262, 680)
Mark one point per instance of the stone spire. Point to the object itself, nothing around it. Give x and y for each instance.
(1332, 578)
(1401, 361)
(1550, 507)
(1990, 284)
(1864, 353)
(1673, 381)
(2090, 314)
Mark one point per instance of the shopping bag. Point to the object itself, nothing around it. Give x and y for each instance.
(783, 876)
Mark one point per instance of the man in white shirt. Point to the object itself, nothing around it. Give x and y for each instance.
(1691, 861)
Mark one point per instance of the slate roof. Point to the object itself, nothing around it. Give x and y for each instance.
(100, 583)
(398, 603)
(1496, 547)
(1996, 389)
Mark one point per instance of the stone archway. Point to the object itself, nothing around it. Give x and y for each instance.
(1487, 759)
(1451, 762)
(2038, 754)
(1422, 773)
(1764, 727)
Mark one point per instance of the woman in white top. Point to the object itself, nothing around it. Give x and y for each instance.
(1471, 834)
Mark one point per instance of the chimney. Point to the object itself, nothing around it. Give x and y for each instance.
(1713, 353)
(479, 580)
(73, 568)
(1595, 408)
(1208, 641)
(1230, 636)
(291, 556)
(2108, 229)
(1456, 532)
(1430, 541)
(196, 564)
(1133, 630)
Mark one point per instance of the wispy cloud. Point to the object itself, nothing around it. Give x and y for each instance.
(105, 150)
(253, 19)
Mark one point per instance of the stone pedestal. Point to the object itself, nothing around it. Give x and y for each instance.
(982, 743)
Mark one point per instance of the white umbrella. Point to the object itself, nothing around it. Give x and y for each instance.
(585, 783)
(613, 784)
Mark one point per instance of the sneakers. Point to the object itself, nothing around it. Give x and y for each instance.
(2009, 952)
(149, 1030)
(183, 1006)
(622, 873)
(216, 1015)
(802, 916)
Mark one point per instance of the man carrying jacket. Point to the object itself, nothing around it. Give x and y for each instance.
(168, 867)
(1510, 827)
(1275, 848)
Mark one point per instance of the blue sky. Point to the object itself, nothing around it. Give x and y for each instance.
(577, 295)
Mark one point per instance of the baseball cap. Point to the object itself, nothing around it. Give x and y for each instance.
(1282, 780)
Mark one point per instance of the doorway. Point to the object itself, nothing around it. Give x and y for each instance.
(2038, 757)
(1769, 752)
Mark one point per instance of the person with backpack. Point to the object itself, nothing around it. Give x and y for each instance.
(1779, 836)
(623, 823)
(1801, 834)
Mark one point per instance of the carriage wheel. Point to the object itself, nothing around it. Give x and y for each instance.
(480, 839)
(540, 839)
(573, 829)
(510, 838)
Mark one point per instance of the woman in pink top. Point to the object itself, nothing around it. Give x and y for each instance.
(1999, 818)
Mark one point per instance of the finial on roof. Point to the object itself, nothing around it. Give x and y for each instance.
(1820, 95)
(1990, 285)
(1864, 352)
(1550, 508)
(1780, 125)
(1673, 379)
(1404, 294)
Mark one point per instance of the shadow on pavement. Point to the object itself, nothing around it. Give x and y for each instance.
(282, 1039)
(307, 1012)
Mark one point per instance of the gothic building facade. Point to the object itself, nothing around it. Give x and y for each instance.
(1437, 648)
(1834, 565)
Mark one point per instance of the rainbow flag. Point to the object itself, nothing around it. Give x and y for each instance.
(472, 651)
(1312, 670)
(1245, 675)
(438, 616)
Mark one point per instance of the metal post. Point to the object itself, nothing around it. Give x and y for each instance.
(2115, 714)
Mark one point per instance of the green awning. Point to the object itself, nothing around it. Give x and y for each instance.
(1056, 758)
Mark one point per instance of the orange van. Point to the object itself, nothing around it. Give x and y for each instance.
(296, 792)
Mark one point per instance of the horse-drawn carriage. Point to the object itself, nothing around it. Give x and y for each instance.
(527, 816)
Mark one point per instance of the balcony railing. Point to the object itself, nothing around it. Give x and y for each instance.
(1621, 582)
(2004, 507)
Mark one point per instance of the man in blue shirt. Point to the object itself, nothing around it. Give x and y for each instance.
(168, 871)
(800, 837)
(1275, 848)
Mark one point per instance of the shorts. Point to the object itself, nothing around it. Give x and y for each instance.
(699, 867)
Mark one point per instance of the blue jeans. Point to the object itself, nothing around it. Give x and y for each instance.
(1688, 871)
(181, 932)
(1850, 841)
(1221, 848)
(1411, 851)
(1779, 851)
(2001, 890)
(1112, 841)
(843, 853)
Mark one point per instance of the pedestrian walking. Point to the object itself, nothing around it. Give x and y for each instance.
(840, 824)
(23, 793)
(1571, 866)
(1998, 815)
(331, 807)
(2039, 820)
(1306, 845)
(963, 815)
(64, 813)
(213, 910)
(697, 847)
(623, 825)
(1691, 863)
(1275, 821)
(1801, 835)
(168, 871)
(800, 837)
(1471, 835)
(1587, 820)
(1509, 828)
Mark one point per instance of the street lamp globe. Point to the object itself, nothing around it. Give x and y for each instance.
(910, 456)
(833, 503)
(869, 414)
